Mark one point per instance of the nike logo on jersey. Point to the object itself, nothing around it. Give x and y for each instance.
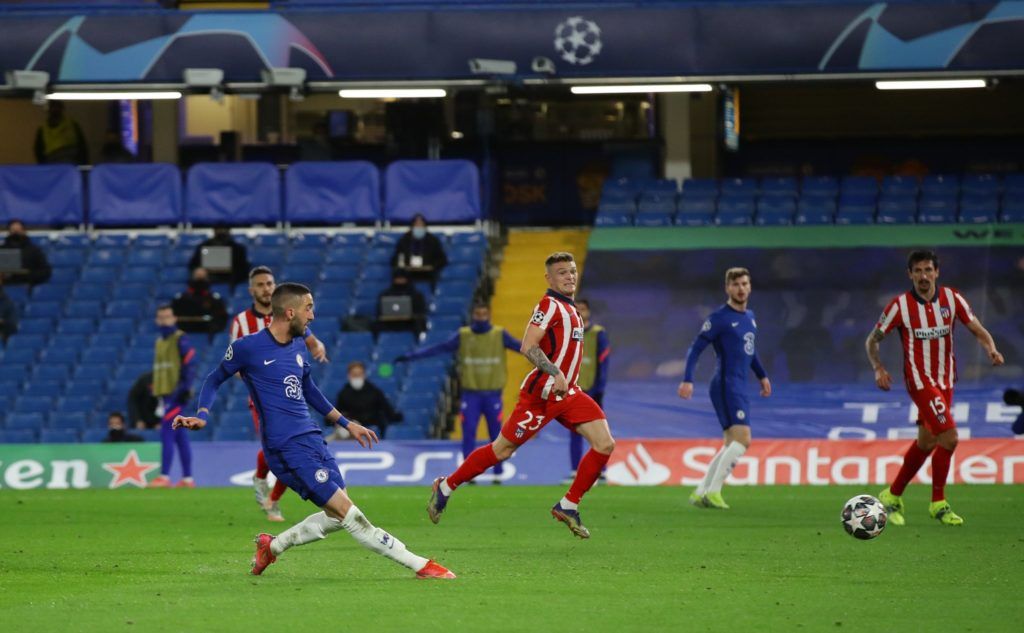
(735, 323)
(267, 362)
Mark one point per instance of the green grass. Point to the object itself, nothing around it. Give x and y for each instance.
(177, 560)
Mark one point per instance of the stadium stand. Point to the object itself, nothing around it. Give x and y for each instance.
(939, 199)
(106, 285)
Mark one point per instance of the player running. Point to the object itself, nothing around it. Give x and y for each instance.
(925, 316)
(249, 321)
(273, 363)
(731, 329)
(554, 344)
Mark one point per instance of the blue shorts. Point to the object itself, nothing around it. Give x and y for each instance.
(306, 466)
(731, 404)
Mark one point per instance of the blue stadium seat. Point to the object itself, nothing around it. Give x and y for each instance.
(141, 273)
(59, 436)
(940, 186)
(858, 186)
(225, 433)
(983, 185)
(739, 187)
(897, 209)
(51, 292)
(332, 193)
(331, 308)
(456, 288)
(71, 257)
(608, 218)
(855, 212)
(819, 187)
(461, 271)
(700, 187)
(772, 210)
(127, 308)
(76, 326)
(364, 306)
(56, 373)
(75, 421)
(695, 211)
(36, 325)
(814, 210)
(450, 306)
(106, 257)
(18, 437)
(937, 209)
(734, 211)
(63, 276)
(900, 186)
(41, 309)
(156, 241)
(233, 193)
(779, 187)
(44, 194)
(445, 191)
(979, 208)
(94, 436)
(71, 404)
(18, 355)
(94, 290)
(655, 218)
(137, 194)
(24, 420)
(85, 309)
(662, 186)
(306, 255)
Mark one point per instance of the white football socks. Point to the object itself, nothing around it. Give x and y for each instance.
(732, 453)
(446, 490)
(710, 475)
(377, 540)
(312, 528)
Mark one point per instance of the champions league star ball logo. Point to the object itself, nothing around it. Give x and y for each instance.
(578, 40)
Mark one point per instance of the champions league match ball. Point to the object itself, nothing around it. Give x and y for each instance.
(864, 517)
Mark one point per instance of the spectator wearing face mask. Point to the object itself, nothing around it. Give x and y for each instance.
(116, 431)
(199, 309)
(482, 373)
(35, 267)
(363, 401)
(239, 272)
(419, 253)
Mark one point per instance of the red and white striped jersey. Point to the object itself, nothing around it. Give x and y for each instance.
(926, 330)
(248, 322)
(556, 314)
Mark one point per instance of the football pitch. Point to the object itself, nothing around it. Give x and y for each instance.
(178, 560)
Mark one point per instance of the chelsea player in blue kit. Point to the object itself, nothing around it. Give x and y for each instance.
(275, 367)
(731, 330)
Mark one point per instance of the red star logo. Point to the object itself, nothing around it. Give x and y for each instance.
(130, 471)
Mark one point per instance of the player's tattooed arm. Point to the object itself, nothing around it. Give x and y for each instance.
(882, 378)
(540, 360)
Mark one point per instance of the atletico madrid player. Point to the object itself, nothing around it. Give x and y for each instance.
(554, 344)
(254, 319)
(925, 317)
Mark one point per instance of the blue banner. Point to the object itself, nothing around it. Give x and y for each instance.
(721, 38)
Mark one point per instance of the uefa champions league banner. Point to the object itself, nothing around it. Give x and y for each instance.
(720, 38)
(636, 462)
(815, 462)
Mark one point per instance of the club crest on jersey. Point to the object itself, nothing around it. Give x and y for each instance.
(741, 415)
(229, 353)
(293, 387)
(944, 311)
(577, 334)
(298, 359)
(321, 475)
(706, 326)
(538, 318)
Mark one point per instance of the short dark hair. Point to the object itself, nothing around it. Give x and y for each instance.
(560, 256)
(917, 257)
(260, 270)
(735, 273)
(285, 293)
(164, 306)
(356, 363)
(481, 304)
(582, 302)
(116, 414)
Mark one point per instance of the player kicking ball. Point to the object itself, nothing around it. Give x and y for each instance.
(731, 329)
(275, 367)
(554, 344)
(925, 316)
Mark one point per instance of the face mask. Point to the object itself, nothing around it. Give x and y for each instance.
(167, 330)
(18, 238)
(419, 232)
(480, 327)
(199, 284)
(357, 383)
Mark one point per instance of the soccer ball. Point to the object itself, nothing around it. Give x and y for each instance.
(578, 40)
(864, 517)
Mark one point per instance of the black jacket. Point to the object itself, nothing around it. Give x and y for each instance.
(32, 258)
(8, 316)
(368, 405)
(239, 261)
(201, 311)
(142, 403)
(429, 248)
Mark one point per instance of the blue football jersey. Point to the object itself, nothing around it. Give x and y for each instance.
(277, 376)
(732, 334)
